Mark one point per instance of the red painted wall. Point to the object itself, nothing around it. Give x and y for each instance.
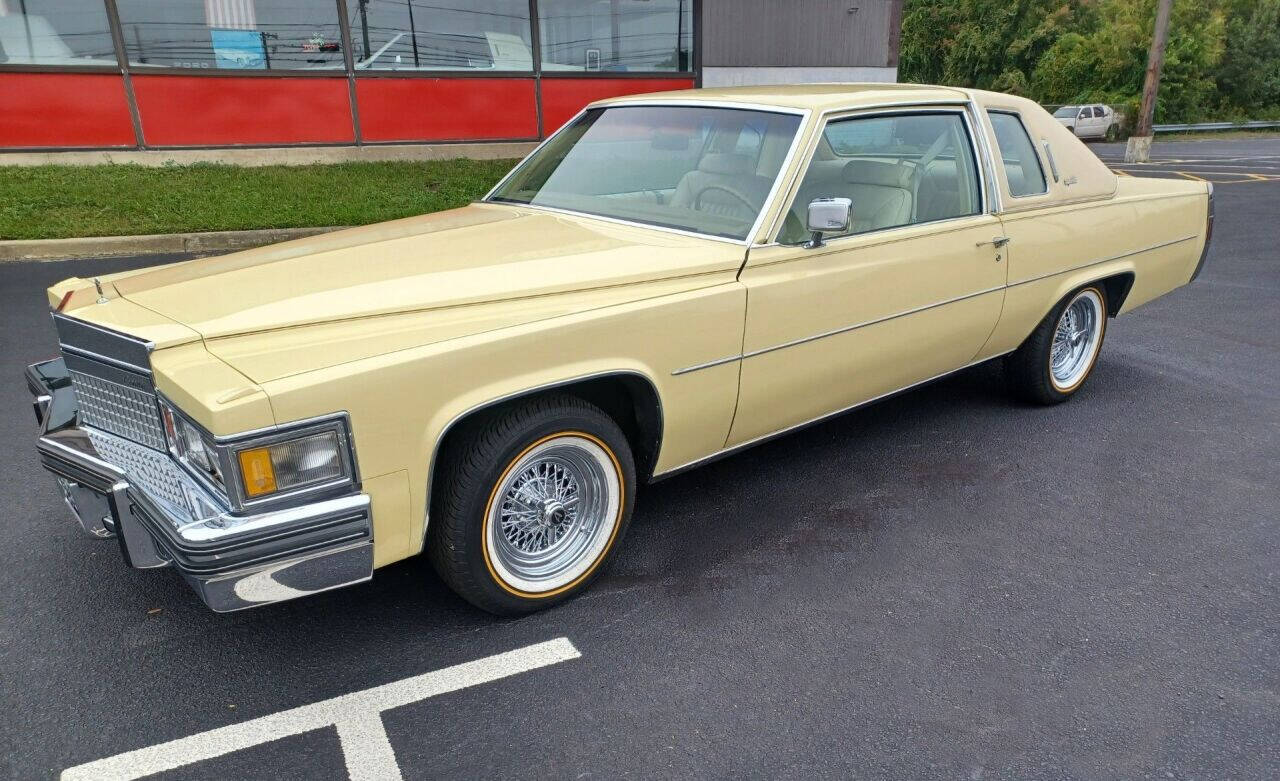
(410, 109)
(225, 110)
(562, 98)
(63, 110)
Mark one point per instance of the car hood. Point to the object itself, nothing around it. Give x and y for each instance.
(478, 254)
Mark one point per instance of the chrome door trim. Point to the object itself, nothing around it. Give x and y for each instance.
(996, 203)
(724, 452)
(845, 329)
(834, 331)
(1104, 260)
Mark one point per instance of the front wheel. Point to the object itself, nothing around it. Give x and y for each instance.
(1059, 355)
(530, 504)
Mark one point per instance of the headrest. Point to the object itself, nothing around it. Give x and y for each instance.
(729, 163)
(878, 173)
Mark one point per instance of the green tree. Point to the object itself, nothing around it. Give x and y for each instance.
(1223, 56)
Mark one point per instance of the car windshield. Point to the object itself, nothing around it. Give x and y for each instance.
(1067, 111)
(695, 168)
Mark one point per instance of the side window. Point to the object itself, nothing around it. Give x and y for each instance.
(898, 170)
(1021, 166)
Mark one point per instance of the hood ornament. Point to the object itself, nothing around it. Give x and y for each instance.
(102, 299)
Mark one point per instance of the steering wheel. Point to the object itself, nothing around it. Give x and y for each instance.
(737, 196)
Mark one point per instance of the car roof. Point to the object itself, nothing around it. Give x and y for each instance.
(819, 97)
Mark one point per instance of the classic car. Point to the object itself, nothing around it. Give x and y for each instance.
(666, 280)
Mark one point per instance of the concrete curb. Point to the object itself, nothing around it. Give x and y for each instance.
(152, 244)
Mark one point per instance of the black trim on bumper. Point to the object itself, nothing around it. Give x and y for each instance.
(232, 562)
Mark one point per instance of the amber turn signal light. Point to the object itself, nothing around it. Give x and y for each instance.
(259, 476)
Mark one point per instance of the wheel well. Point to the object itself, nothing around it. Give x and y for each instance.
(629, 398)
(1117, 289)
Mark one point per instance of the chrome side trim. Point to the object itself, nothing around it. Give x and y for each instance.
(835, 332)
(707, 365)
(845, 329)
(801, 131)
(1104, 260)
(996, 203)
(103, 344)
(1053, 164)
(435, 448)
(796, 427)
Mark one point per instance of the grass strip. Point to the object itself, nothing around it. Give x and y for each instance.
(55, 201)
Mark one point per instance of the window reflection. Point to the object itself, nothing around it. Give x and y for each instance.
(616, 35)
(442, 35)
(232, 34)
(55, 32)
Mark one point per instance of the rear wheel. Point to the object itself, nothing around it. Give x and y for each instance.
(1056, 359)
(530, 504)
(1112, 133)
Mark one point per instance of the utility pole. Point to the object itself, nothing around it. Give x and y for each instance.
(1138, 149)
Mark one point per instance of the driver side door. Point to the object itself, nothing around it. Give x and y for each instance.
(912, 291)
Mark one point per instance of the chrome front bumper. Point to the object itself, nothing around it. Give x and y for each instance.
(232, 561)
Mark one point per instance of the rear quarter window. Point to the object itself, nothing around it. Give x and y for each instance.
(1017, 155)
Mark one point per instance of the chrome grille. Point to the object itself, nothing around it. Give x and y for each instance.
(150, 470)
(119, 409)
(111, 375)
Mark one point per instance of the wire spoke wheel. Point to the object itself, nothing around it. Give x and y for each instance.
(1076, 340)
(553, 513)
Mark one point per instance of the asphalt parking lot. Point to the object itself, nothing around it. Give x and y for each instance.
(945, 585)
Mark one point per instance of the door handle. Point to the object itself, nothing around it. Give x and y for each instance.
(997, 242)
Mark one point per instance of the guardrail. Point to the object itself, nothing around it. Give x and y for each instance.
(1259, 123)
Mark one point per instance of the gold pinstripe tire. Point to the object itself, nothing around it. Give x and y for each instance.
(531, 503)
(1059, 355)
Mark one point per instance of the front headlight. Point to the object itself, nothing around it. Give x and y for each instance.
(291, 464)
(311, 457)
(193, 447)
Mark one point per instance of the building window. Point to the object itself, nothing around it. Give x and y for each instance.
(55, 32)
(446, 35)
(616, 35)
(232, 34)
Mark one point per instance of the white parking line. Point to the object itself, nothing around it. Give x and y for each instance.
(357, 716)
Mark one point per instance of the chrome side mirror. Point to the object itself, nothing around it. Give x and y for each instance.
(828, 215)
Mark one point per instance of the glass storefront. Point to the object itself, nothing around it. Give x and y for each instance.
(616, 35)
(301, 72)
(575, 36)
(232, 34)
(55, 32)
(468, 35)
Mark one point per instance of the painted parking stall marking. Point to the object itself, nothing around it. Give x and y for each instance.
(366, 748)
(1219, 170)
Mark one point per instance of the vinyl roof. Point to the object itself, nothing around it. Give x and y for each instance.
(807, 96)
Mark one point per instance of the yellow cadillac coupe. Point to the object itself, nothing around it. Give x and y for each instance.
(668, 279)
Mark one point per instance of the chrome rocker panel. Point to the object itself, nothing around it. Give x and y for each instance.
(232, 562)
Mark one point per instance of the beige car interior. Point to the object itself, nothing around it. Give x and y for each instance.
(926, 174)
(734, 177)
